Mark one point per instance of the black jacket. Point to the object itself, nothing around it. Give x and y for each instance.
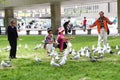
(12, 33)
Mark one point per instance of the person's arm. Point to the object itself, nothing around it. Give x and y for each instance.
(109, 22)
(93, 25)
(67, 38)
(48, 40)
(16, 33)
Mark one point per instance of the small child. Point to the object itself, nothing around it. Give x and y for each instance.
(49, 41)
(62, 40)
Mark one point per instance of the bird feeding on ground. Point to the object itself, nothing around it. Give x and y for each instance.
(52, 63)
(37, 59)
(7, 48)
(77, 56)
(5, 64)
(37, 46)
(63, 60)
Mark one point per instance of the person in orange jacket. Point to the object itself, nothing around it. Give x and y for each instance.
(102, 28)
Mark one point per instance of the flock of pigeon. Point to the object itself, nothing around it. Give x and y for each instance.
(60, 59)
(92, 54)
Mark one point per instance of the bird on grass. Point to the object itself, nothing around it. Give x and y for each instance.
(66, 52)
(52, 63)
(7, 48)
(5, 64)
(37, 47)
(73, 52)
(63, 60)
(82, 51)
(92, 60)
(56, 56)
(87, 53)
(37, 59)
(69, 44)
(118, 52)
(93, 47)
(53, 53)
(117, 47)
(77, 56)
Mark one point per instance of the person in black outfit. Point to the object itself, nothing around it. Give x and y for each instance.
(65, 25)
(12, 38)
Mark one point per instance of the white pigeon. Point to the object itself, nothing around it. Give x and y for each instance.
(93, 47)
(63, 60)
(52, 63)
(73, 52)
(108, 50)
(117, 48)
(118, 52)
(5, 64)
(87, 54)
(77, 56)
(69, 44)
(108, 46)
(7, 48)
(82, 52)
(52, 53)
(57, 57)
(66, 52)
(37, 59)
(37, 46)
(26, 46)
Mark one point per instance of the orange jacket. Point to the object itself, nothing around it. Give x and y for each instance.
(97, 23)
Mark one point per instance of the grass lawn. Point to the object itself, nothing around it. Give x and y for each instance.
(25, 68)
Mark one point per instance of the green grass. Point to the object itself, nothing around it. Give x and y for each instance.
(25, 68)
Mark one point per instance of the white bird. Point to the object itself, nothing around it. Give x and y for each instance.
(52, 63)
(26, 46)
(52, 54)
(57, 57)
(37, 59)
(66, 52)
(117, 48)
(93, 47)
(37, 46)
(77, 56)
(108, 50)
(7, 48)
(5, 64)
(82, 52)
(69, 44)
(63, 60)
(108, 46)
(118, 52)
(87, 53)
(73, 52)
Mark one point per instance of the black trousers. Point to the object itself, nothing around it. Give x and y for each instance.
(13, 45)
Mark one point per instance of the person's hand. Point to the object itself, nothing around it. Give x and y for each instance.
(89, 27)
